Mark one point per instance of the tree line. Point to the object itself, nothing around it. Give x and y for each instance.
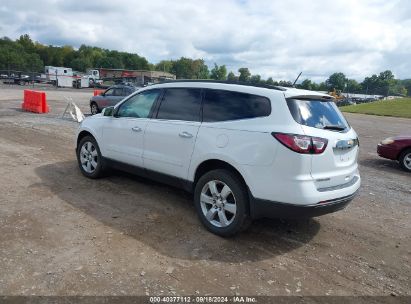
(27, 55)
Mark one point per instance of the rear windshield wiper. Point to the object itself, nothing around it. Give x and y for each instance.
(334, 127)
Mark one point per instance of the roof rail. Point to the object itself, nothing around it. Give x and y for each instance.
(266, 86)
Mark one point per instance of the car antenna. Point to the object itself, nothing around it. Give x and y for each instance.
(296, 79)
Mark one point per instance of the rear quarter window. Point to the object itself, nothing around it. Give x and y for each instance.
(220, 105)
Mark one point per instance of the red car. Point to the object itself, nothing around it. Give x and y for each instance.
(397, 148)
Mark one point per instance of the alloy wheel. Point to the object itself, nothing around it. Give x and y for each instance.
(218, 203)
(407, 161)
(88, 157)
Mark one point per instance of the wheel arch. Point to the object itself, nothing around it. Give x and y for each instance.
(402, 151)
(212, 164)
(94, 102)
(83, 134)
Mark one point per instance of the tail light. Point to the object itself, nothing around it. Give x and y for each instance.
(302, 143)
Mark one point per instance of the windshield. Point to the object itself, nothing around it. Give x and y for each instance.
(317, 113)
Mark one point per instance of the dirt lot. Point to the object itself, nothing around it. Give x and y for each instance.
(62, 234)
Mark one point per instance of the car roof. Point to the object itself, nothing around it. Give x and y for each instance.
(237, 83)
(244, 87)
(122, 86)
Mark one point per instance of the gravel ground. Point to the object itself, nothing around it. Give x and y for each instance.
(63, 234)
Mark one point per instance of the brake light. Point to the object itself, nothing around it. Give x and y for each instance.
(319, 144)
(302, 143)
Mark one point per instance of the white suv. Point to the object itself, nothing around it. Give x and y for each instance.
(244, 151)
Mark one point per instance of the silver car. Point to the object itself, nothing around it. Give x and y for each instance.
(110, 97)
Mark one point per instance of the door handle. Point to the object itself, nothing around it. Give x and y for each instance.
(136, 129)
(185, 135)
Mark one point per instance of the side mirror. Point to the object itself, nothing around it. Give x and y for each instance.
(108, 111)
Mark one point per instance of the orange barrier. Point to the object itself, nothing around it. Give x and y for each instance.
(35, 101)
(98, 92)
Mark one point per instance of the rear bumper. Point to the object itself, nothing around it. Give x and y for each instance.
(268, 209)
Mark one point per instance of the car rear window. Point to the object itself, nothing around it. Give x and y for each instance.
(317, 113)
(220, 105)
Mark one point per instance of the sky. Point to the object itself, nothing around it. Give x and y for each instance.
(272, 38)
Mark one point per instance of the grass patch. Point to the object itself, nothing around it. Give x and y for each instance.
(400, 107)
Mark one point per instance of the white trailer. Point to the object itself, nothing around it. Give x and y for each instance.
(60, 76)
(81, 82)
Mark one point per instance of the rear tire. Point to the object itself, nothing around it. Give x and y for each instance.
(405, 160)
(221, 201)
(89, 158)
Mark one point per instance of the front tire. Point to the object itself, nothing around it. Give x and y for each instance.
(89, 158)
(221, 201)
(405, 160)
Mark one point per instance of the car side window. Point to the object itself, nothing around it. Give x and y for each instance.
(220, 105)
(127, 91)
(109, 92)
(181, 104)
(118, 92)
(139, 105)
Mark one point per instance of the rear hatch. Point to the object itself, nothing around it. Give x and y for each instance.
(336, 167)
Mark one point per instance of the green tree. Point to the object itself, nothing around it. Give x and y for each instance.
(182, 68)
(164, 66)
(285, 83)
(28, 55)
(381, 84)
(218, 72)
(68, 54)
(80, 64)
(26, 42)
(232, 77)
(370, 84)
(200, 69)
(270, 81)
(134, 61)
(33, 63)
(406, 83)
(244, 74)
(186, 68)
(353, 86)
(255, 79)
(336, 81)
(386, 83)
(111, 62)
(13, 56)
(307, 84)
(398, 88)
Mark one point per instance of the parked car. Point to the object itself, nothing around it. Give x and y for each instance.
(397, 148)
(244, 151)
(345, 102)
(110, 97)
(18, 78)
